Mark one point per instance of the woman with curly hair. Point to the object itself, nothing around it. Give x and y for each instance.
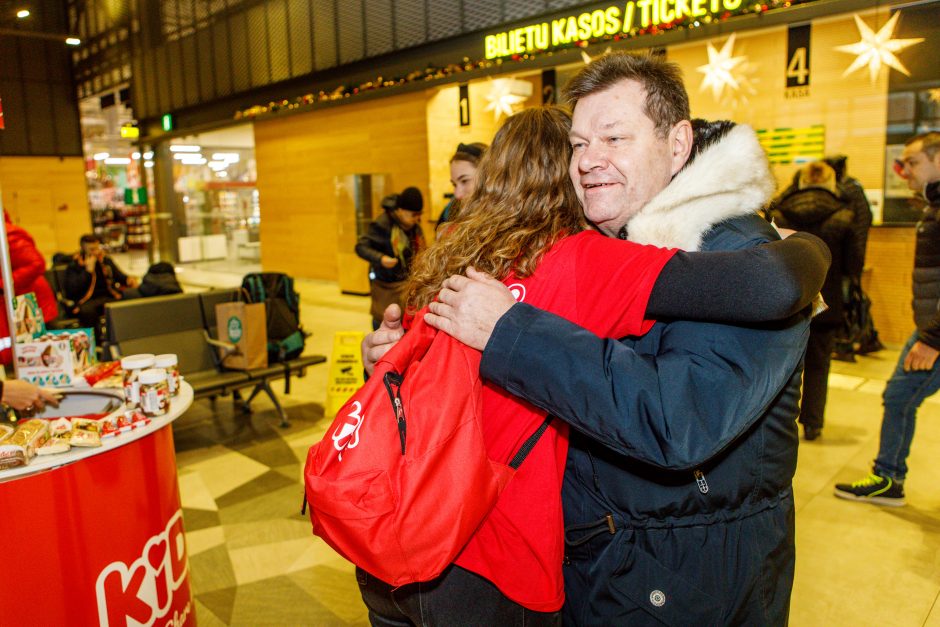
(523, 224)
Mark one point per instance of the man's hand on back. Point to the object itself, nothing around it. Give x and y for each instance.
(382, 339)
(469, 307)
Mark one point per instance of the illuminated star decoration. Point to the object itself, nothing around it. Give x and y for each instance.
(505, 94)
(722, 69)
(875, 49)
(588, 58)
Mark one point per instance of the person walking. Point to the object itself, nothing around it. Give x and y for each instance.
(816, 207)
(917, 374)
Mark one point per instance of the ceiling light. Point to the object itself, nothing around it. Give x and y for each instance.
(184, 148)
(22, 13)
(232, 157)
(148, 164)
(218, 165)
(136, 155)
(101, 156)
(117, 161)
(193, 160)
(73, 41)
(148, 154)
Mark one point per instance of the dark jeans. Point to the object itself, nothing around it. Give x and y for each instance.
(904, 394)
(456, 598)
(816, 374)
(90, 313)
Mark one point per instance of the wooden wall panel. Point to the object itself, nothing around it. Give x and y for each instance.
(299, 157)
(445, 131)
(853, 110)
(889, 263)
(47, 196)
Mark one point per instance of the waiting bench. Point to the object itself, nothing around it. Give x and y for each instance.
(180, 324)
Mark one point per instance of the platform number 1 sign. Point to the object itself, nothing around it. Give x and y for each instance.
(464, 105)
(798, 59)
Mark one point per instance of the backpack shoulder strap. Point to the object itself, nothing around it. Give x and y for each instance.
(529, 444)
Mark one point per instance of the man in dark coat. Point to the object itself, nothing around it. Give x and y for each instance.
(917, 375)
(92, 279)
(678, 488)
(815, 206)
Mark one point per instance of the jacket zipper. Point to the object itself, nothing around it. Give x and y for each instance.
(700, 480)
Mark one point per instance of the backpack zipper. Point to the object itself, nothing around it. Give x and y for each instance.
(393, 382)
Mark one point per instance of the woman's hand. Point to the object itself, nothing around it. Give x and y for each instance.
(21, 395)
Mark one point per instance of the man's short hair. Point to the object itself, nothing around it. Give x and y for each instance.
(89, 238)
(930, 143)
(667, 102)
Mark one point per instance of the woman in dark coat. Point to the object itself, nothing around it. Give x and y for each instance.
(393, 239)
(816, 207)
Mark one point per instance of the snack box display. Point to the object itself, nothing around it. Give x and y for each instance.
(20, 447)
(52, 433)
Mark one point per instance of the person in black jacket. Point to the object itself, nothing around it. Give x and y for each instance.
(392, 241)
(917, 375)
(816, 207)
(677, 495)
(93, 279)
(160, 280)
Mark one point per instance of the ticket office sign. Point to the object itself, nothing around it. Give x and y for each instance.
(613, 20)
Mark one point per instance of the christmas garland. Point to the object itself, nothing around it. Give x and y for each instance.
(432, 73)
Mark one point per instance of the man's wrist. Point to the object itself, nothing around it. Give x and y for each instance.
(496, 362)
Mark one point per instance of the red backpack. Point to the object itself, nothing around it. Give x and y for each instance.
(402, 479)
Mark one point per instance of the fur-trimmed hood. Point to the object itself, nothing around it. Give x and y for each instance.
(727, 176)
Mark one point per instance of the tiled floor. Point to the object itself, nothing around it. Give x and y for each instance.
(254, 561)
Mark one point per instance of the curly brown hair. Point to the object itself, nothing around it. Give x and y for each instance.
(523, 203)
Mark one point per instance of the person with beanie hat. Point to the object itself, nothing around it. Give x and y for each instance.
(392, 241)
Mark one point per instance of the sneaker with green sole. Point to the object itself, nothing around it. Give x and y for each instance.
(873, 489)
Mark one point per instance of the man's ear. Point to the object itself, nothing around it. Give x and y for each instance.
(680, 144)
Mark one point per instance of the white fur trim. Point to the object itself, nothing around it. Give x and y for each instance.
(728, 179)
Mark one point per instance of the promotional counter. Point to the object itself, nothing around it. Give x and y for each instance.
(95, 535)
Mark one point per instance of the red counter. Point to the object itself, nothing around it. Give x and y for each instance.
(95, 536)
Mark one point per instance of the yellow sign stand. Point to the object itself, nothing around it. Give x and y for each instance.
(345, 370)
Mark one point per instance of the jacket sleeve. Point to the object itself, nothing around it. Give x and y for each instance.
(27, 262)
(673, 407)
(77, 280)
(367, 246)
(117, 274)
(767, 282)
(853, 252)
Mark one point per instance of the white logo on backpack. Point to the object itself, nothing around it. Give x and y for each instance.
(518, 292)
(347, 435)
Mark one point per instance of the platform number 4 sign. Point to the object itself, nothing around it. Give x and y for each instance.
(798, 56)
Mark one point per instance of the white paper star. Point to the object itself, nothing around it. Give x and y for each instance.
(505, 94)
(720, 70)
(588, 58)
(875, 49)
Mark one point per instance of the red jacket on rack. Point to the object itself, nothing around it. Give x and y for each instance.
(28, 268)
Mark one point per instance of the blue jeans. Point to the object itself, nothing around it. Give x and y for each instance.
(905, 392)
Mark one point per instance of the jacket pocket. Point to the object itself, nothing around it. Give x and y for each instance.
(665, 597)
